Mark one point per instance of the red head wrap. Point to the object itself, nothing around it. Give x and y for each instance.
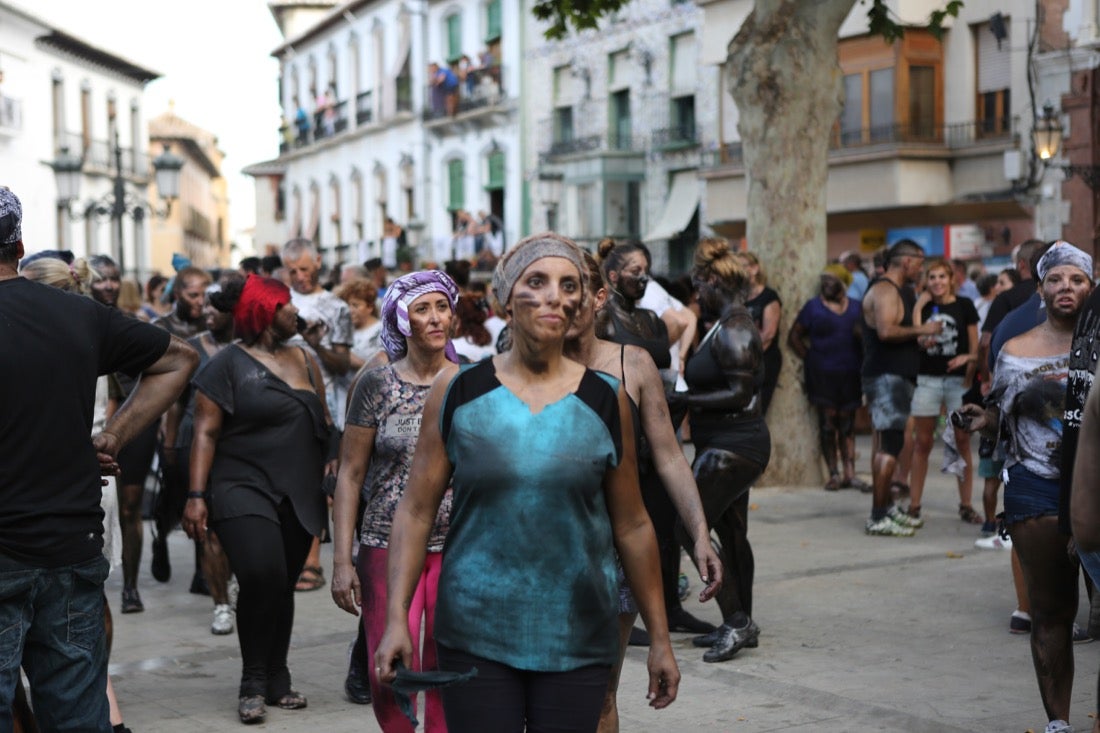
(256, 308)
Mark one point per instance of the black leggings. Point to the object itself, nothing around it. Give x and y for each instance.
(724, 479)
(662, 513)
(267, 558)
(503, 699)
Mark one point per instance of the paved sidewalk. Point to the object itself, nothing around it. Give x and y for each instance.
(859, 633)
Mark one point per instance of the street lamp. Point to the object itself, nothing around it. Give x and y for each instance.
(1047, 139)
(68, 171)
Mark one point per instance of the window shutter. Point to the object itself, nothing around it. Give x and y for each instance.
(496, 171)
(685, 68)
(454, 37)
(492, 21)
(994, 64)
(456, 174)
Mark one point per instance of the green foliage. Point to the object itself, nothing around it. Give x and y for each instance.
(882, 23)
(578, 14)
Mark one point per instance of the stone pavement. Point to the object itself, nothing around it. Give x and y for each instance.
(859, 633)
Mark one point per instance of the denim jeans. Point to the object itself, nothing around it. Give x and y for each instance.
(51, 622)
(1091, 563)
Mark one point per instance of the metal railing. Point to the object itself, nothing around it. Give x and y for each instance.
(955, 136)
(479, 89)
(607, 142)
(100, 154)
(678, 136)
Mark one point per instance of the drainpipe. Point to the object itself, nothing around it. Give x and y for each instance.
(519, 64)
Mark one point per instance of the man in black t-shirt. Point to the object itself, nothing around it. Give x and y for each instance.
(52, 568)
(1009, 300)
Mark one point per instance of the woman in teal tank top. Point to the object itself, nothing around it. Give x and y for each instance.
(527, 589)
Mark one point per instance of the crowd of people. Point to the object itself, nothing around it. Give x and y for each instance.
(418, 424)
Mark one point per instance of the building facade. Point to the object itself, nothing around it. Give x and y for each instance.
(933, 141)
(60, 93)
(619, 122)
(197, 225)
(366, 136)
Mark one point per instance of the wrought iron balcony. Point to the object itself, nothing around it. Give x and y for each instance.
(11, 113)
(481, 88)
(364, 108)
(676, 137)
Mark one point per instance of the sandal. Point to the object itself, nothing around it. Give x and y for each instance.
(312, 578)
(856, 483)
(251, 709)
(292, 700)
(968, 515)
(833, 483)
(897, 488)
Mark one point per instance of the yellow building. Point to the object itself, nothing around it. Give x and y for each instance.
(198, 225)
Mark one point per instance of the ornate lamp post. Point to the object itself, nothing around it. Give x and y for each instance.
(68, 171)
(1047, 138)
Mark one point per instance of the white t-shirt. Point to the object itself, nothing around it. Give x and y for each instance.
(325, 307)
(658, 300)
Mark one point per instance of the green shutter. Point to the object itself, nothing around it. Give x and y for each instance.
(496, 171)
(492, 21)
(454, 38)
(456, 175)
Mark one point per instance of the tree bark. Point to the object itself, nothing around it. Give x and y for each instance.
(786, 81)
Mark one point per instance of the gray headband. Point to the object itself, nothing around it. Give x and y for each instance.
(1064, 253)
(510, 268)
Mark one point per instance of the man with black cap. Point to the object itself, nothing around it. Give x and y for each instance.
(51, 526)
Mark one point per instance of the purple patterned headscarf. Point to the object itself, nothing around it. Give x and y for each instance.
(400, 294)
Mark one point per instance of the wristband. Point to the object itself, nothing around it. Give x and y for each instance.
(196, 495)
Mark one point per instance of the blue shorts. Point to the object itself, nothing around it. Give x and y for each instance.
(1028, 496)
(934, 393)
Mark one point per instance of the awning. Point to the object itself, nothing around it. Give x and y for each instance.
(683, 199)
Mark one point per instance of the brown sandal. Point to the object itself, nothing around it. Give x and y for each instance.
(968, 515)
(833, 484)
(251, 710)
(312, 578)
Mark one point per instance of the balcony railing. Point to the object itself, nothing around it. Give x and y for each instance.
(610, 142)
(673, 138)
(951, 137)
(99, 155)
(481, 88)
(11, 113)
(364, 108)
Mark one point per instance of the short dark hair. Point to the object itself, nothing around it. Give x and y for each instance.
(270, 264)
(1031, 252)
(903, 248)
(251, 265)
(986, 284)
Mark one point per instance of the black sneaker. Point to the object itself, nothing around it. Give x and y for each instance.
(1080, 636)
(732, 640)
(680, 621)
(1019, 623)
(131, 601)
(160, 567)
(356, 686)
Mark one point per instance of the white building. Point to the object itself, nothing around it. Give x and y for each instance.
(363, 138)
(620, 120)
(60, 92)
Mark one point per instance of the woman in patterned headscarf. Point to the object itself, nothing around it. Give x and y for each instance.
(383, 423)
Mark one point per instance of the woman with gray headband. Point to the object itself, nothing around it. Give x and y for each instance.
(1026, 402)
(540, 451)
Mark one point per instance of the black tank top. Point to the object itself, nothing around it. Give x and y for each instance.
(656, 344)
(901, 358)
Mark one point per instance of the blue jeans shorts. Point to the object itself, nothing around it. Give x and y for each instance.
(1028, 495)
(936, 392)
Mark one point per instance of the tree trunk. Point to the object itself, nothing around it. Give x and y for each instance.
(786, 81)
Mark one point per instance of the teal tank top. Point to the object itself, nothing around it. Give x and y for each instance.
(528, 576)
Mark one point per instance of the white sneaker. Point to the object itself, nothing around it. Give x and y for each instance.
(1058, 726)
(887, 527)
(996, 542)
(223, 620)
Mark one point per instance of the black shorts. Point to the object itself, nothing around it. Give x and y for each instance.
(835, 390)
(136, 458)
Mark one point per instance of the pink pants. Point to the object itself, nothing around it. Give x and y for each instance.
(372, 579)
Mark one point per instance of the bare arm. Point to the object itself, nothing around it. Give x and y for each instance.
(637, 546)
(356, 448)
(797, 340)
(160, 385)
(208, 427)
(983, 358)
(673, 468)
(970, 358)
(412, 525)
(770, 323)
(887, 315)
(687, 337)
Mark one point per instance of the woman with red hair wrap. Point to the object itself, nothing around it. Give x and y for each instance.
(258, 454)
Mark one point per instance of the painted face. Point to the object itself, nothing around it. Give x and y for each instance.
(546, 298)
(586, 312)
(1064, 290)
(1004, 282)
(938, 283)
(831, 287)
(361, 312)
(632, 277)
(189, 299)
(303, 273)
(214, 319)
(285, 324)
(430, 320)
(105, 290)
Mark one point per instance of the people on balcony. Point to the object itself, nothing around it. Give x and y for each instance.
(301, 122)
(444, 89)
